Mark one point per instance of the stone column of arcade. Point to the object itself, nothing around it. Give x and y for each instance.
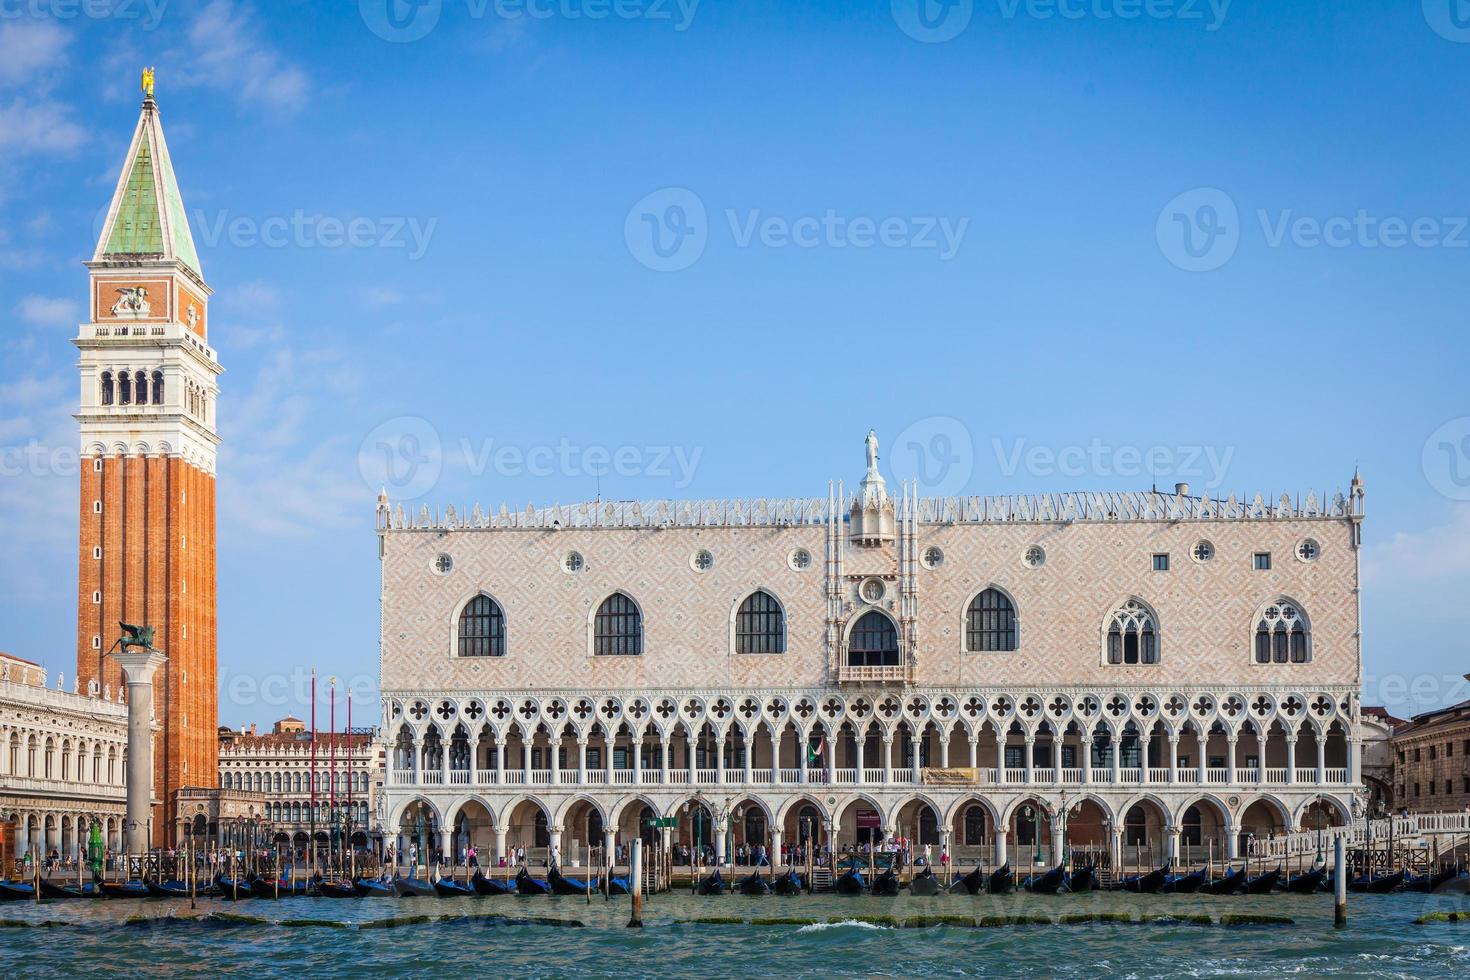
(138, 670)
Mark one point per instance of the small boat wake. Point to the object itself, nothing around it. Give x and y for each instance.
(840, 924)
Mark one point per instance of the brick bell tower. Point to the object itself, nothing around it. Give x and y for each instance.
(148, 447)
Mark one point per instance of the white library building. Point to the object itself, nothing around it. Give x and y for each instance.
(1144, 676)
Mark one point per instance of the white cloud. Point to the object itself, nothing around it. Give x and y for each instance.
(279, 478)
(30, 50)
(226, 51)
(251, 296)
(39, 127)
(1412, 558)
(38, 477)
(44, 311)
(32, 55)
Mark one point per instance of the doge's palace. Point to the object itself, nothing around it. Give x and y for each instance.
(1148, 675)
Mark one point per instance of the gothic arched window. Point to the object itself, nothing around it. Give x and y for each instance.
(760, 625)
(124, 388)
(1283, 634)
(617, 629)
(107, 393)
(482, 628)
(158, 387)
(874, 642)
(990, 623)
(1133, 635)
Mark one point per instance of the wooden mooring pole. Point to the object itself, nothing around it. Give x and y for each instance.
(1339, 884)
(636, 885)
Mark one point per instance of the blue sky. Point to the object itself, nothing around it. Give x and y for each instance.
(713, 244)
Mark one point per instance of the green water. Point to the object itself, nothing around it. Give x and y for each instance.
(556, 937)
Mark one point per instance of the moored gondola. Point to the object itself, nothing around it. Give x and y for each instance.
(1307, 882)
(491, 887)
(162, 889)
(266, 888)
(333, 888)
(887, 884)
(926, 882)
(52, 890)
(1228, 884)
(713, 885)
(229, 889)
(789, 884)
(374, 888)
(1377, 884)
(851, 883)
(616, 886)
(1187, 884)
(526, 885)
(17, 891)
(449, 888)
(1146, 884)
(1045, 883)
(1429, 882)
(562, 885)
(1082, 880)
(413, 888)
(124, 889)
(970, 884)
(1002, 880)
(1263, 884)
(754, 885)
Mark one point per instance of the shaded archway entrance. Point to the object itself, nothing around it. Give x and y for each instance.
(1259, 821)
(473, 827)
(1030, 836)
(1202, 834)
(1145, 841)
(1087, 827)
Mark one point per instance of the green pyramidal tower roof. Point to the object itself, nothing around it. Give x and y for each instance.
(146, 219)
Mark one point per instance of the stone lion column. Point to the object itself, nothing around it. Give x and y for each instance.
(138, 670)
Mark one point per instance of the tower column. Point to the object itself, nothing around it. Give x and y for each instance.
(138, 670)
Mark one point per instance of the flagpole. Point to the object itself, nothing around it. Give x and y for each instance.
(332, 771)
(311, 837)
(351, 849)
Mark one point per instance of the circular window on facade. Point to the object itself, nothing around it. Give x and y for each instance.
(800, 559)
(572, 563)
(1202, 551)
(933, 557)
(873, 590)
(443, 564)
(1035, 556)
(702, 561)
(1308, 550)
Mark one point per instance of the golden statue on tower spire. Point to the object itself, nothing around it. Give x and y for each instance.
(147, 83)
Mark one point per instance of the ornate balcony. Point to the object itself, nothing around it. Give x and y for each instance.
(875, 675)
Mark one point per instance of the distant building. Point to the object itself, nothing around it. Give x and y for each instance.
(1378, 755)
(1431, 755)
(63, 760)
(279, 766)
